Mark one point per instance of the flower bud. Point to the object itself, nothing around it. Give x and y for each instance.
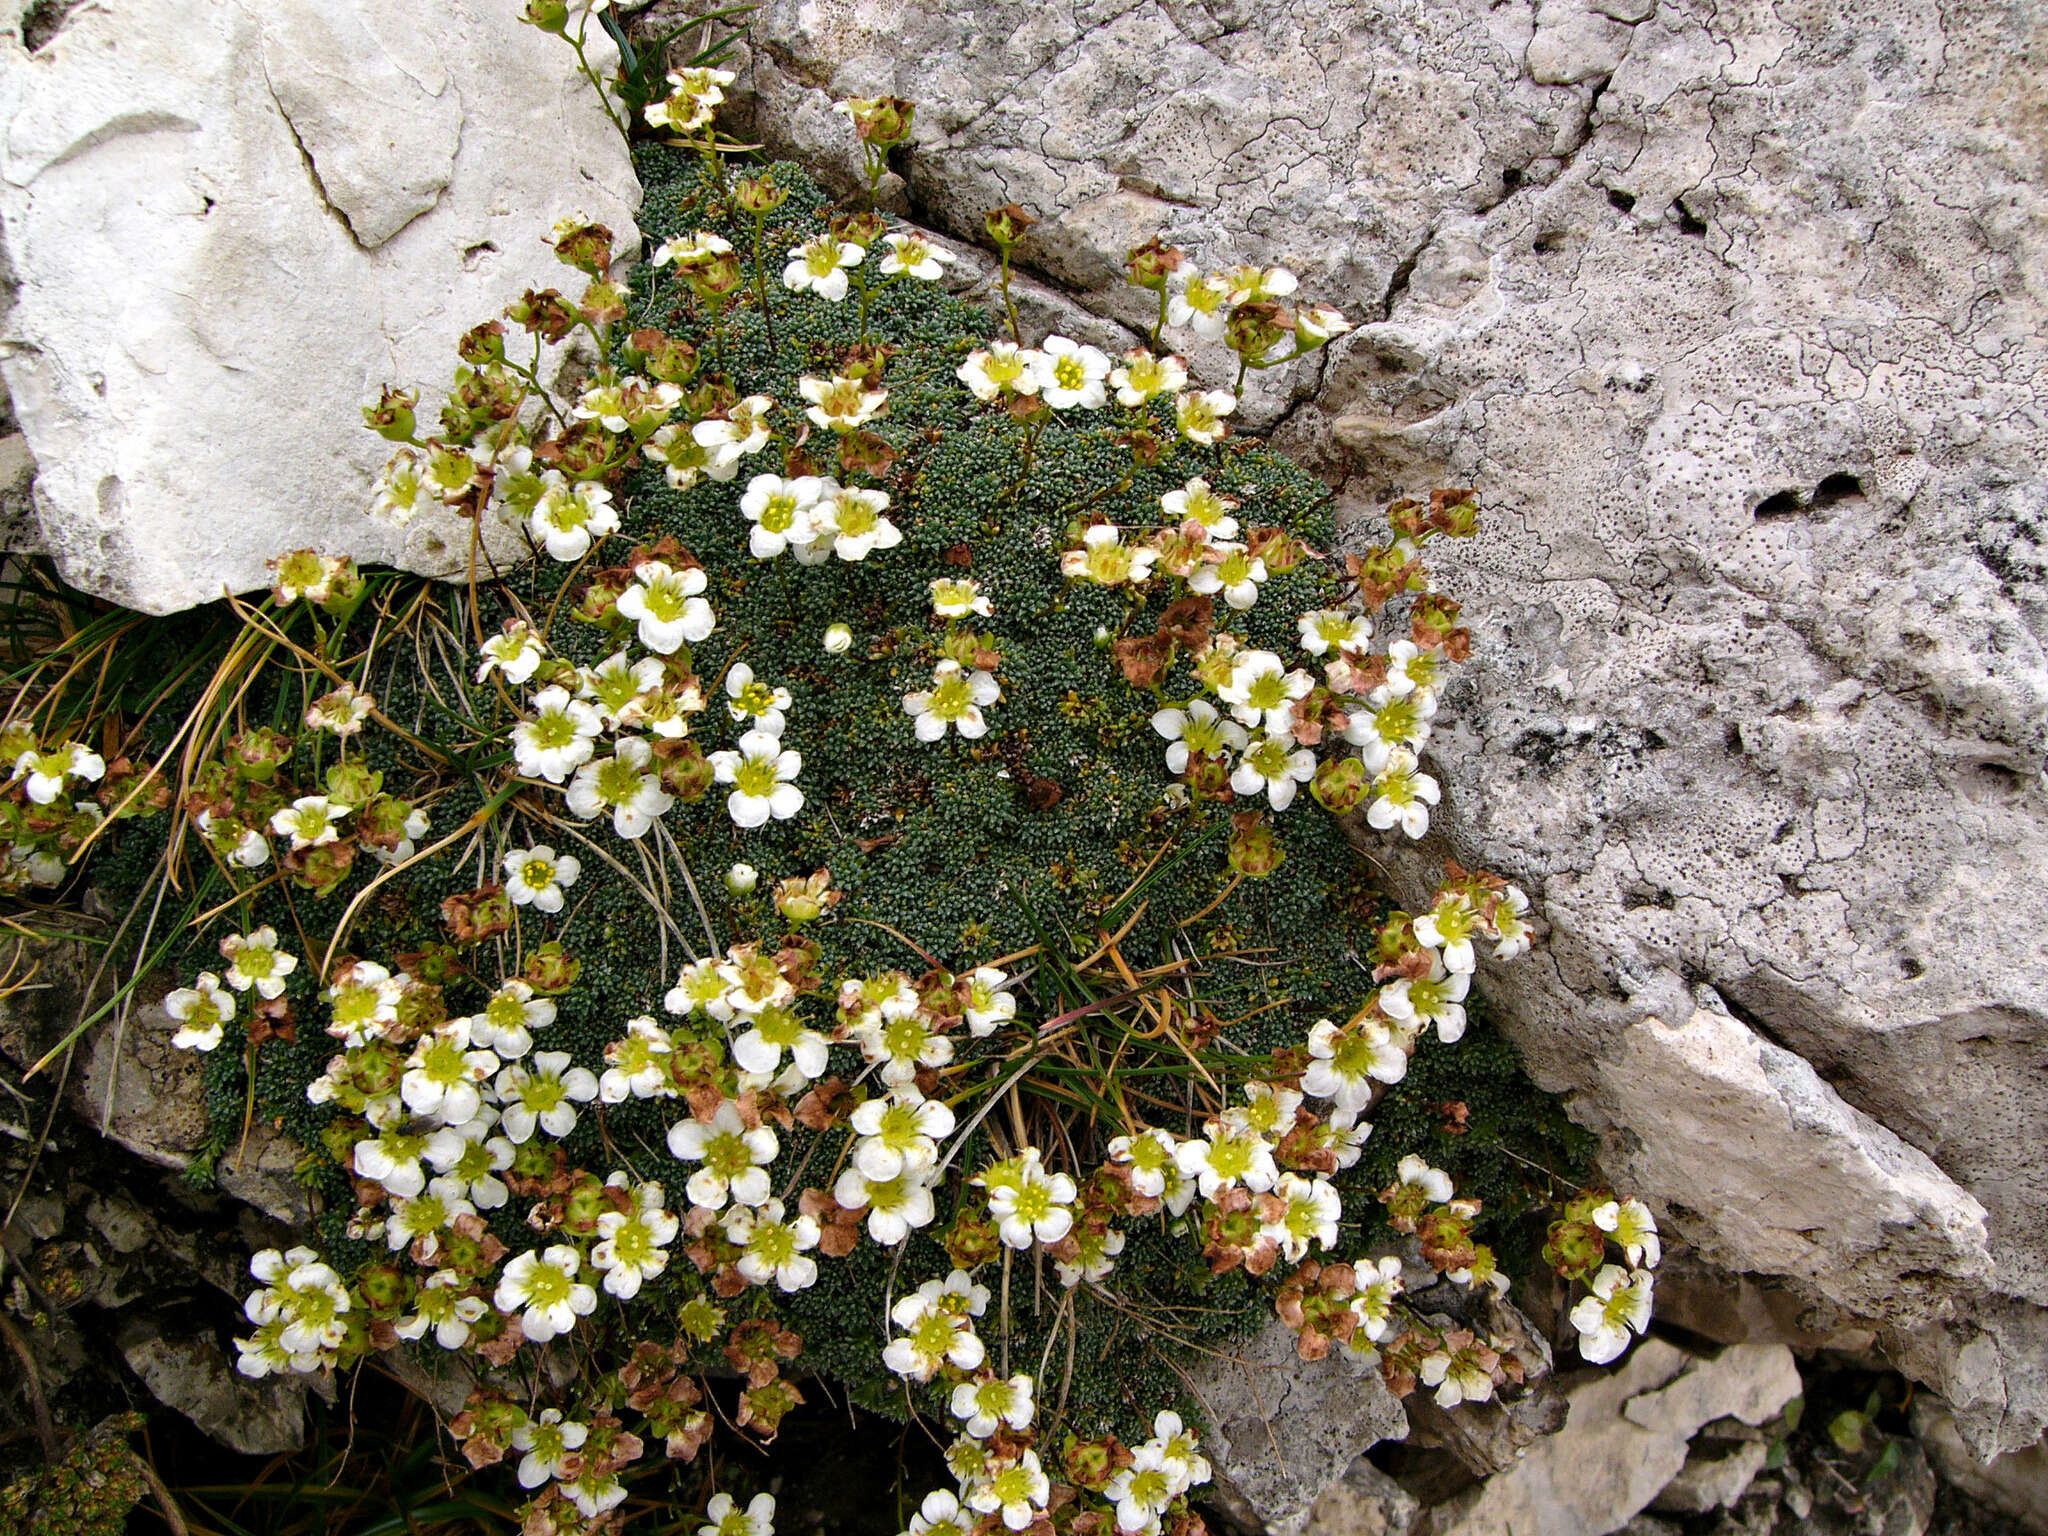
(741, 879)
(1254, 852)
(548, 15)
(1152, 263)
(1006, 225)
(587, 247)
(551, 970)
(392, 415)
(760, 195)
(482, 344)
(803, 899)
(838, 640)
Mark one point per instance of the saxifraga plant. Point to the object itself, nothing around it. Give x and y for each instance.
(847, 906)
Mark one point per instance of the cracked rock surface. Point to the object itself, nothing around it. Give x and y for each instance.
(224, 226)
(1734, 315)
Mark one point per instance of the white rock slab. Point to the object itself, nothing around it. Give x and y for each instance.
(226, 224)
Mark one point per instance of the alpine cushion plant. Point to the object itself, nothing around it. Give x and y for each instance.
(1039, 1033)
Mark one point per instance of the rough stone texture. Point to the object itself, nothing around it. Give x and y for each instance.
(1625, 1441)
(1734, 313)
(1284, 1430)
(2016, 1484)
(1708, 1482)
(193, 1376)
(224, 225)
(1364, 1502)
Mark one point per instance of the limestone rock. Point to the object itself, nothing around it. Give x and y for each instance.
(1285, 1431)
(257, 1418)
(2015, 1484)
(1735, 314)
(1365, 1502)
(224, 226)
(1625, 1441)
(1709, 1482)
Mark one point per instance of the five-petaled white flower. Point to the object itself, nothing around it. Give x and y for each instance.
(735, 1157)
(1276, 766)
(915, 256)
(666, 603)
(935, 1335)
(537, 876)
(1142, 376)
(309, 821)
(1630, 1224)
(1199, 415)
(1329, 629)
(1028, 1203)
(741, 431)
(759, 773)
(728, 1519)
(955, 597)
(1000, 367)
(819, 266)
(1018, 1492)
(1072, 374)
(542, 1286)
(558, 739)
(1208, 510)
(990, 1401)
(1404, 795)
(632, 1245)
(544, 1095)
(1197, 728)
(254, 960)
(1346, 1063)
(1106, 560)
(568, 519)
(849, 523)
(46, 771)
(1232, 570)
(841, 404)
(776, 1249)
(988, 1005)
(341, 712)
(200, 1009)
(516, 654)
(956, 698)
(1619, 1305)
(623, 784)
(780, 510)
(1261, 691)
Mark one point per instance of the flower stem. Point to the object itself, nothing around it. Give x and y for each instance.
(1010, 304)
(760, 278)
(1159, 325)
(596, 80)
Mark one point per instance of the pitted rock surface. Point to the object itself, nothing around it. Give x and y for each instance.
(1734, 313)
(223, 227)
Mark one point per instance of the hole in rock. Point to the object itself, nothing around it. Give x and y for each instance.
(1688, 222)
(1550, 241)
(1837, 488)
(1778, 504)
(1623, 202)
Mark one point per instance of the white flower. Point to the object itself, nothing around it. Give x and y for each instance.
(1028, 1203)
(341, 712)
(1225, 1157)
(1275, 765)
(200, 1009)
(537, 876)
(686, 250)
(988, 1005)
(991, 1401)
(1202, 304)
(1248, 283)
(780, 510)
(896, 1207)
(935, 1336)
(1405, 794)
(902, 1043)
(402, 492)
(1319, 322)
(1106, 560)
(636, 1064)
(615, 684)
(517, 653)
(916, 257)
(1630, 1224)
(507, 1023)
(837, 640)
(568, 519)
(1448, 927)
(1313, 1209)
(543, 1095)
(1620, 1303)
(1510, 925)
(700, 988)
(840, 404)
(897, 1132)
(1000, 366)
(392, 1159)
(1433, 1182)
(624, 785)
(544, 1289)
(1142, 1491)
(1197, 728)
(760, 773)
(1200, 413)
(939, 1515)
(309, 821)
(741, 431)
(473, 1158)
(957, 597)
(631, 1246)
(1379, 1282)
(1332, 628)
(850, 524)
(1438, 998)
(741, 879)
(443, 1075)
(819, 266)
(666, 603)
(424, 1217)
(1390, 722)
(1208, 511)
(1346, 1063)
(735, 1157)
(1149, 1155)
(1459, 1376)
(1018, 1492)
(727, 1519)
(1234, 571)
(1143, 376)
(1071, 374)
(776, 1250)
(774, 1030)
(1262, 691)
(683, 460)
(558, 739)
(956, 698)
(751, 699)
(548, 1443)
(254, 960)
(443, 1305)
